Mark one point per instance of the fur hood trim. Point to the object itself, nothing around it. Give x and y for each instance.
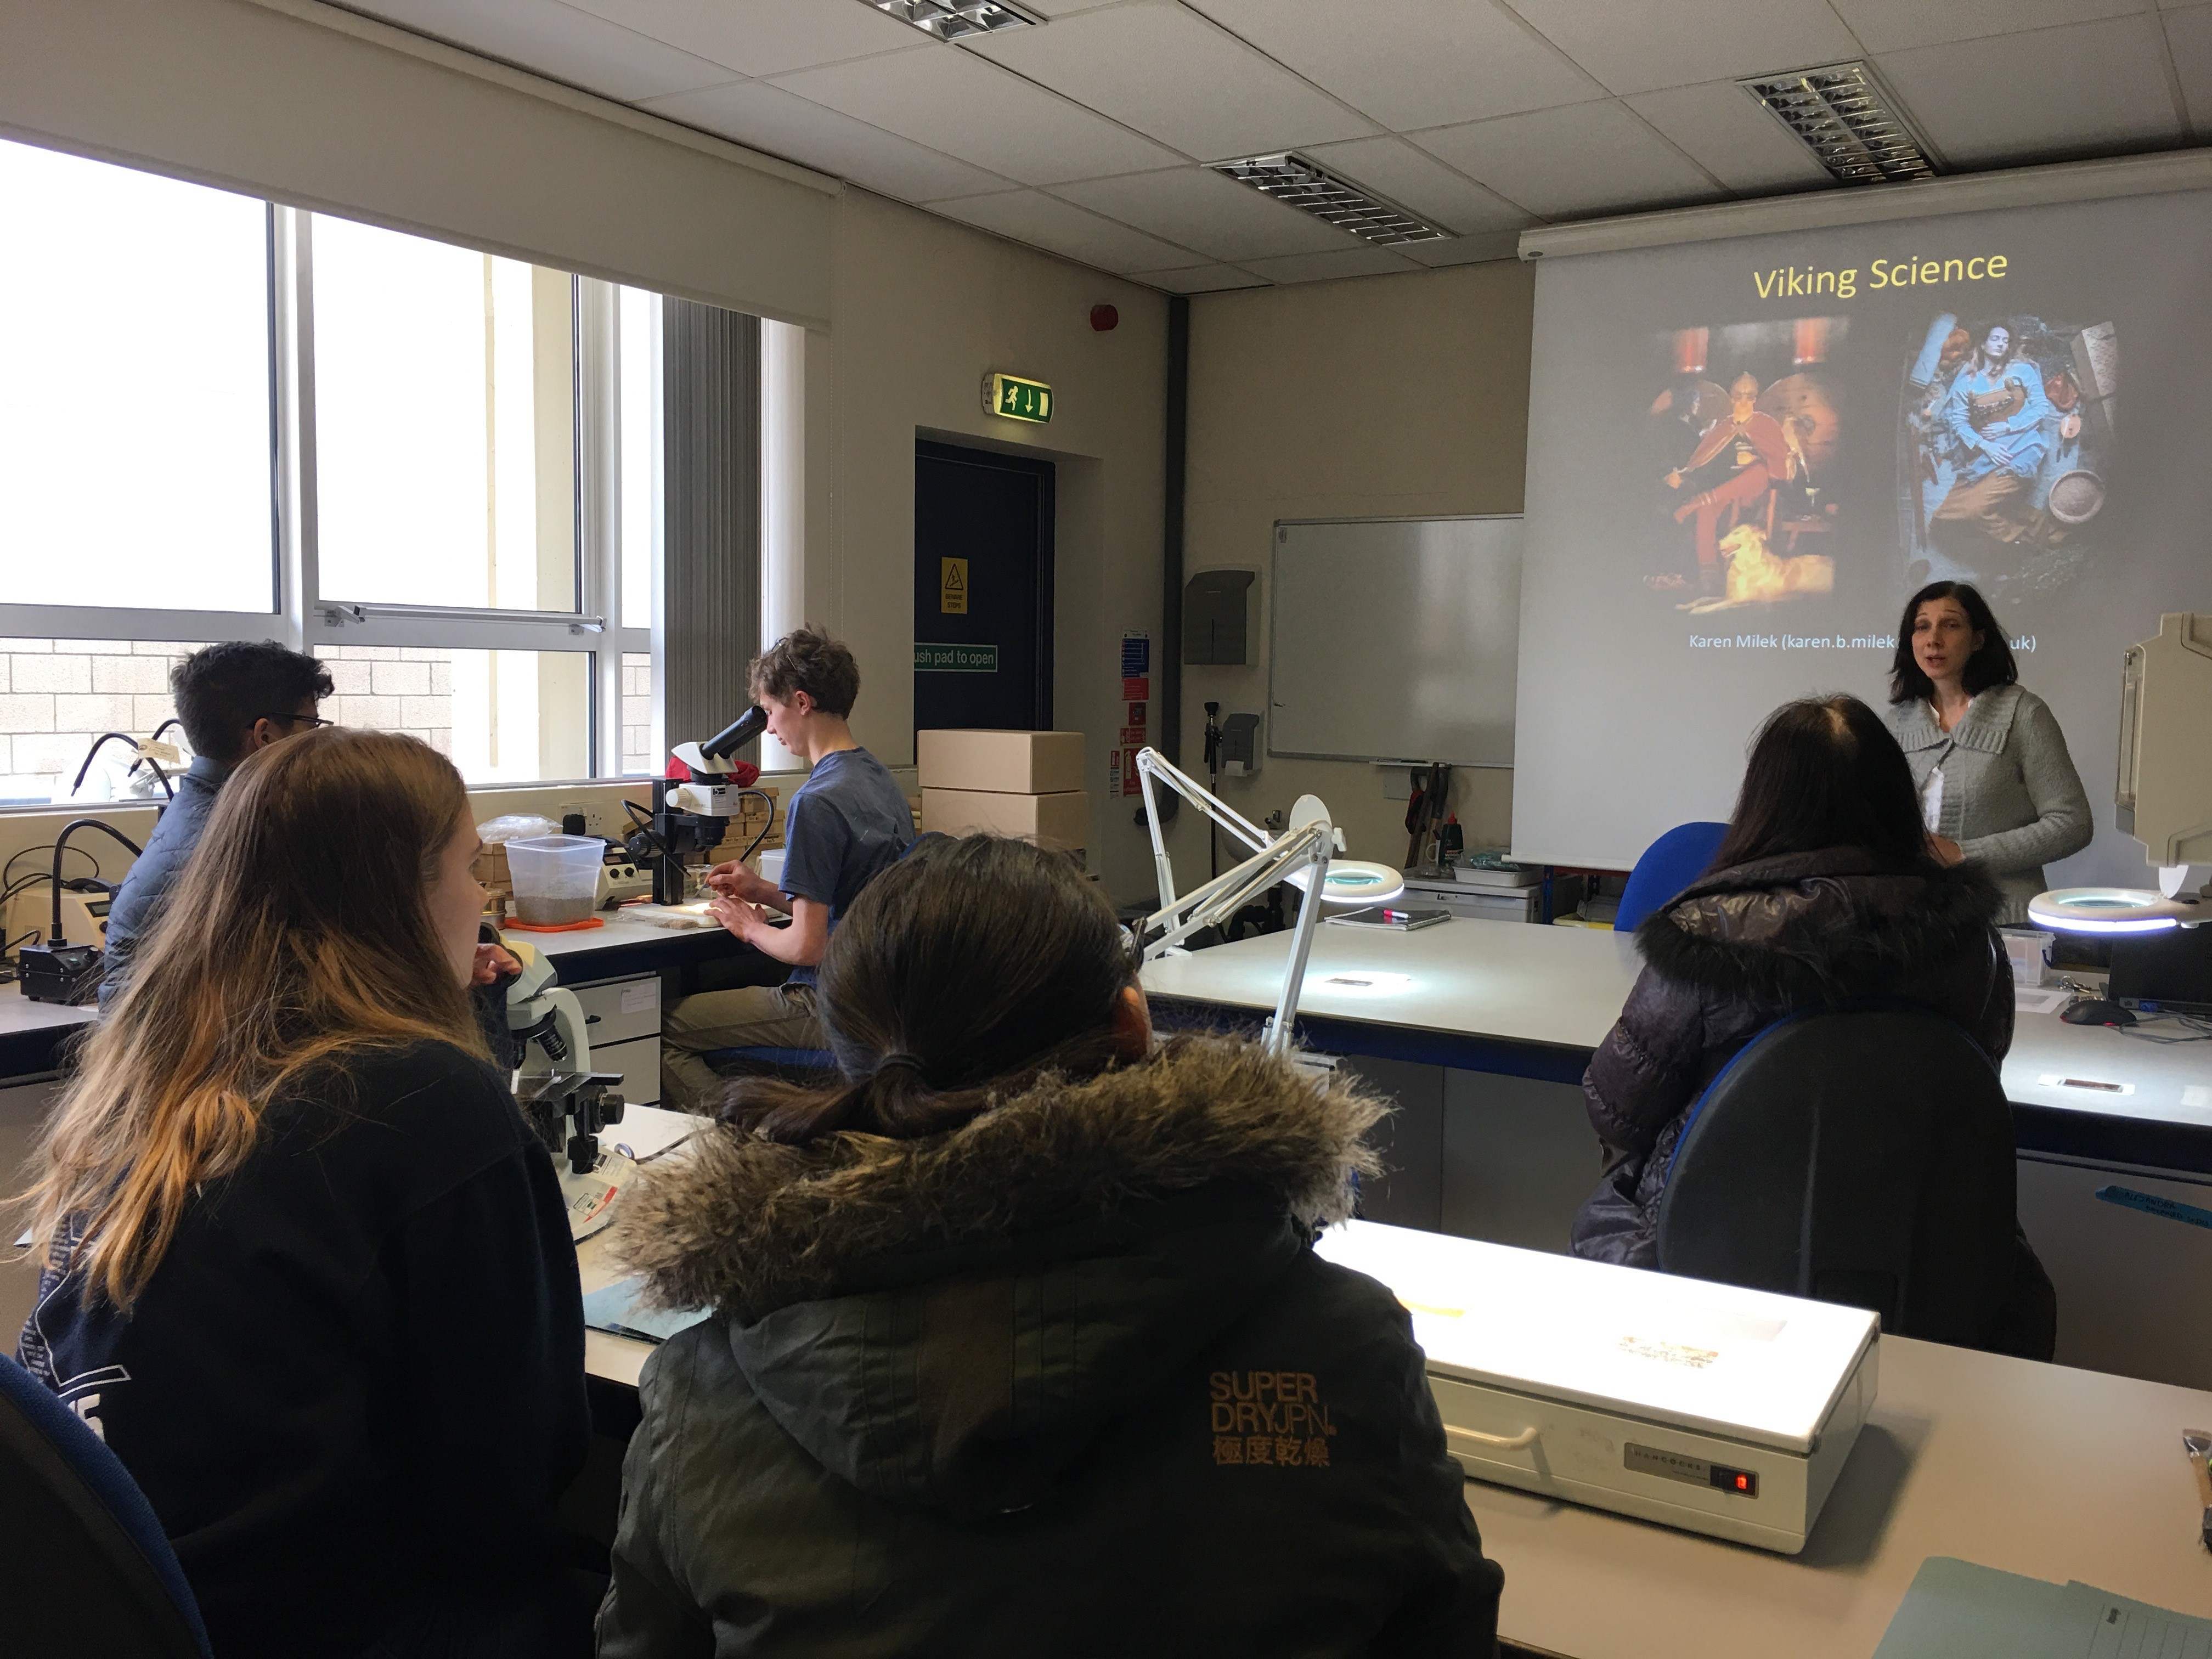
(1816, 927)
(734, 1221)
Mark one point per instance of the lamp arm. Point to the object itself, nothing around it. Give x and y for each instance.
(61, 843)
(1276, 1041)
(1152, 763)
(98, 743)
(1228, 892)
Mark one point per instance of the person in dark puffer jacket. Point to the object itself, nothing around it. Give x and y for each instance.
(1021, 1346)
(1823, 894)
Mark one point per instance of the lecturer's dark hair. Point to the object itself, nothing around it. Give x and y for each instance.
(1826, 772)
(967, 969)
(1990, 665)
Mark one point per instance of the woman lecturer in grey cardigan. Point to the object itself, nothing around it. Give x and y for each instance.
(1996, 785)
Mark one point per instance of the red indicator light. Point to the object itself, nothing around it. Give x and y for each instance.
(1743, 1483)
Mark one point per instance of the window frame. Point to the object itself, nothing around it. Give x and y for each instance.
(305, 618)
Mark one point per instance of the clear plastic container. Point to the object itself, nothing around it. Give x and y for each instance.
(2029, 949)
(556, 878)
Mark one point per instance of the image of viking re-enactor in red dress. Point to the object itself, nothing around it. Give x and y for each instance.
(1749, 450)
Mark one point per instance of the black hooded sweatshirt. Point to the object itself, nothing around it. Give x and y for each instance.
(1742, 948)
(1066, 1380)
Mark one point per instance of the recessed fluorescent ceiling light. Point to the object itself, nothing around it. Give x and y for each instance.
(1842, 114)
(1296, 182)
(949, 20)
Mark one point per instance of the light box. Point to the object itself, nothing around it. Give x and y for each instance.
(1700, 1406)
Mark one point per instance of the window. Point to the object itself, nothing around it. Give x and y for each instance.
(445, 430)
(437, 470)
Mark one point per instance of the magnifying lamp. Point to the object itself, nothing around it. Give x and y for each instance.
(2114, 910)
(1300, 855)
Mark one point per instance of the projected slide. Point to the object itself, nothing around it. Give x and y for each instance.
(1745, 454)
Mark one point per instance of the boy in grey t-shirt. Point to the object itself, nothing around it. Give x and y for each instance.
(846, 823)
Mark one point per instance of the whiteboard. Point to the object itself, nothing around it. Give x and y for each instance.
(1395, 639)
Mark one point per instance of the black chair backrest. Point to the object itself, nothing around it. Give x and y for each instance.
(1859, 1157)
(83, 1566)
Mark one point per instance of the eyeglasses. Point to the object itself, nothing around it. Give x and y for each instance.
(311, 721)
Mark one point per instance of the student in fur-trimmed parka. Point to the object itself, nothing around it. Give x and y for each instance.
(1824, 894)
(1020, 1345)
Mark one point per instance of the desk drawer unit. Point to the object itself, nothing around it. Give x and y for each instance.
(624, 1029)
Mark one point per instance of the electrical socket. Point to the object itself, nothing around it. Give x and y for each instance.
(588, 812)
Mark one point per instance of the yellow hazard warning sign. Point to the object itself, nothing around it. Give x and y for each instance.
(952, 587)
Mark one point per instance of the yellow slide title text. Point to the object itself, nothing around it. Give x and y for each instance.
(1794, 282)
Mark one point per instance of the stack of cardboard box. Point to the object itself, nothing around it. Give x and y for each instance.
(1026, 784)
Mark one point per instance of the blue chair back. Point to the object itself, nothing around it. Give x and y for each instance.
(93, 1571)
(1864, 1157)
(1668, 864)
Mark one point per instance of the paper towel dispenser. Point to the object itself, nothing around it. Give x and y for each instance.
(1216, 631)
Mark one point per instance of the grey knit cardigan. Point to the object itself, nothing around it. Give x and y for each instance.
(2012, 799)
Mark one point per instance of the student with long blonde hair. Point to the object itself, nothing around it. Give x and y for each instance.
(306, 1269)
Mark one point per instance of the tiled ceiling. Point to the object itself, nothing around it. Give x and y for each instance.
(1088, 136)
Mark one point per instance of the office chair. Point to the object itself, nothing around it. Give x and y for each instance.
(91, 1571)
(1668, 864)
(1863, 1157)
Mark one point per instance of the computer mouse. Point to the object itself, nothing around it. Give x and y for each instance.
(2095, 1011)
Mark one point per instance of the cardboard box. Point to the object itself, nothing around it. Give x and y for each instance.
(1060, 820)
(1002, 762)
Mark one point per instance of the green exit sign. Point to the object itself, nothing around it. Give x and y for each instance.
(1018, 399)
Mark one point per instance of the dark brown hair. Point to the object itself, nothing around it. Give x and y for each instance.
(1990, 665)
(300, 930)
(1826, 772)
(962, 971)
(221, 690)
(806, 659)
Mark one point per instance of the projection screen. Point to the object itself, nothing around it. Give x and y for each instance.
(1744, 455)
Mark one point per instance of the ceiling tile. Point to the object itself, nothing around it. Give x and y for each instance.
(1413, 63)
(1466, 250)
(1046, 222)
(1418, 182)
(1320, 267)
(954, 101)
(1640, 48)
(1168, 72)
(1723, 128)
(1897, 24)
(1198, 279)
(556, 40)
(1199, 210)
(763, 37)
(2039, 97)
(768, 118)
(2188, 33)
(1566, 163)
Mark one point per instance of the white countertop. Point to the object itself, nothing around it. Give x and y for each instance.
(647, 1131)
(1565, 986)
(19, 1013)
(2035, 1469)
(1464, 977)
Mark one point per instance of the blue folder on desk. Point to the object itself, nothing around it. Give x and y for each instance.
(614, 1309)
(1956, 1610)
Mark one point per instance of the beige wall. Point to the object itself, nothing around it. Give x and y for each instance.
(924, 309)
(1401, 396)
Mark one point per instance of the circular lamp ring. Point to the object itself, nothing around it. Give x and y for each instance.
(1361, 881)
(2111, 910)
